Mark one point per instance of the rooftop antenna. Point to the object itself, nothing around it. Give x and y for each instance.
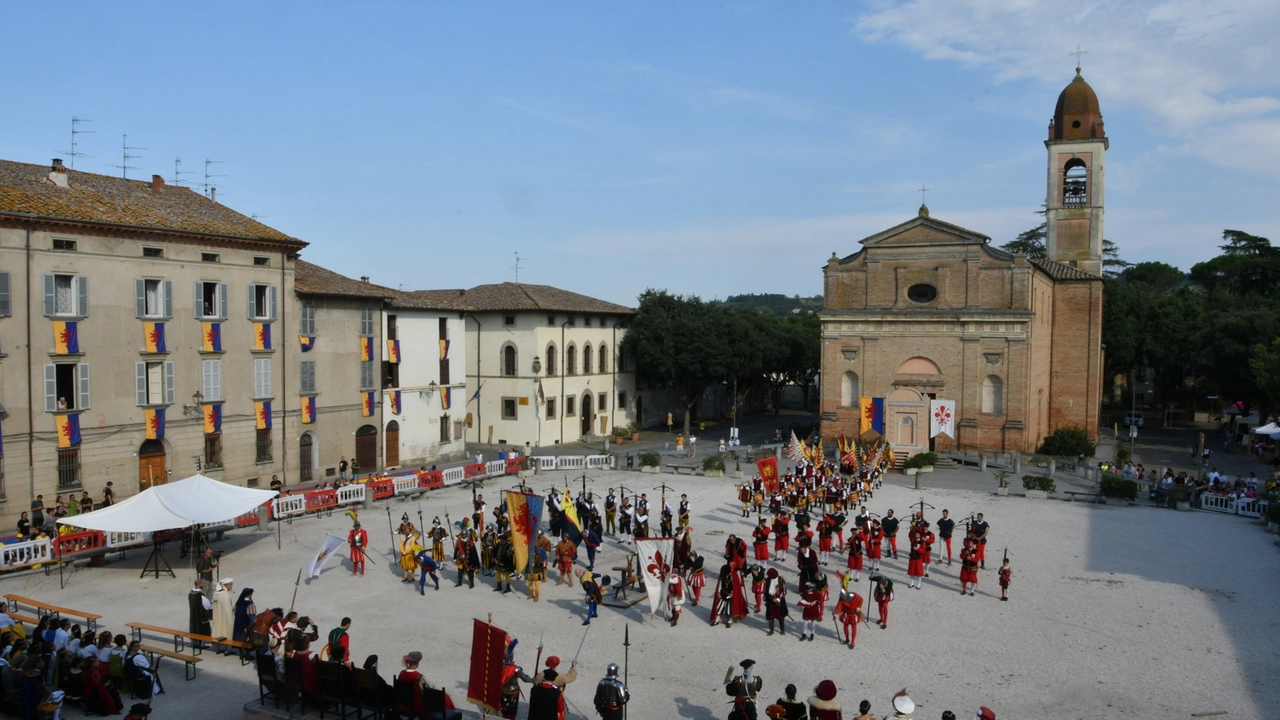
(178, 172)
(256, 216)
(1078, 53)
(516, 267)
(125, 157)
(208, 185)
(75, 130)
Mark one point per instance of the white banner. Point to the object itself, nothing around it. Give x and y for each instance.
(332, 543)
(942, 418)
(655, 568)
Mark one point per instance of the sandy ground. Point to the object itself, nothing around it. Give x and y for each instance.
(1116, 612)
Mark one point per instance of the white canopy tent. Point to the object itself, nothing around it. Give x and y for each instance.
(197, 499)
(1270, 429)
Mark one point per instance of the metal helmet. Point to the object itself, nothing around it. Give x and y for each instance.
(611, 671)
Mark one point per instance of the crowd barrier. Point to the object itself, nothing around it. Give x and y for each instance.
(26, 553)
(407, 484)
(599, 462)
(546, 462)
(125, 539)
(1248, 507)
(453, 476)
(570, 462)
(348, 494)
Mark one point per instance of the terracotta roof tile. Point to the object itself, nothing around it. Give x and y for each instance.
(1062, 271)
(517, 297)
(311, 279)
(26, 188)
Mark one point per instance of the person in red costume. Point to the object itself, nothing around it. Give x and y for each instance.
(823, 705)
(730, 602)
(811, 601)
(781, 536)
(760, 540)
(883, 596)
(849, 611)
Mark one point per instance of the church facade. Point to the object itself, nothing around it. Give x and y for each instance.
(930, 310)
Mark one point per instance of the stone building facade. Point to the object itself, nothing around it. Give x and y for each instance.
(928, 309)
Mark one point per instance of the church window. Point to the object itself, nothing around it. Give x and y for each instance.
(1075, 184)
(992, 395)
(849, 390)
(922, 293)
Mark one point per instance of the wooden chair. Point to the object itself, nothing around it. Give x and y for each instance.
(268, 683)
(294, 686)
(433, 706)
(372, 694)
(334, 689)
(407, 698)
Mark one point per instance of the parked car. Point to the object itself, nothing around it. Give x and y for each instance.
(1134, 418)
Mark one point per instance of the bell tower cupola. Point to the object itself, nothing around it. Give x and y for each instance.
(1077, 147)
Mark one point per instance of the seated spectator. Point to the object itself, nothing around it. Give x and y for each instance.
(98, 696)
(410, 674)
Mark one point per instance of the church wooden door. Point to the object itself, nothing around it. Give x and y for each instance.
(151, 464)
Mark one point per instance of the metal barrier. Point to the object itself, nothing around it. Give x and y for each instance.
(570, 462)
(431, 480)
(319, 500)
(1251, 507)
(25, 553)
(380, 488)
(545, 462)
(513, 465)
(472, 472)
(1218, 503)
(453, 476)
(496, 467)
(289, 506)
(406, 484)
(348, 494)
(78, 542)
(598, 462)
(125, 539)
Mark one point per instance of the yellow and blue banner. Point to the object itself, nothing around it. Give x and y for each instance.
(393, 351)
(525, 512)
(262, 336)
(394, 396)
(262, 413)
(872, 410)
(211, 337)
(153, 336)
(154, 420)
(446, 397)
(366, 349)
(212, 418)
(308, 410)
(569, 525)
(307, 342)
(66, 338)
(368, 402)
(444, 349)
(475, 395)
(68, 430)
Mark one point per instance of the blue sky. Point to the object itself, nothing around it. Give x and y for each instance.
(707, 148)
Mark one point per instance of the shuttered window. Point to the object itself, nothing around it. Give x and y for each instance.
(366, 322)
(153, 298)
(262, 378)
(308, 384)
(366, 375)
(154, 383)
(262, 302)
(6, 307)
(210, 300)
(308, 323)
(211, 380)
(66, 296)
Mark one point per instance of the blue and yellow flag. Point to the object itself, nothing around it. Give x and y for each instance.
(446, 397)
(66, 338)
(154, 419)
(68, 430)
(308, 410)
(262, 336)
(262, 412)
(212, 418)
(211, 333)
(525, 512)
(393, 351)
(444, 349)
(368, 401)
(872, 412)
(569, 526)
(153, 336)
(366, 349)
(394, 396)
(307, 342)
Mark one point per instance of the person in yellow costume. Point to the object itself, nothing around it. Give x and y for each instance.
(410, 544)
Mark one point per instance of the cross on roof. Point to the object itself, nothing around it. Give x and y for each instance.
(1078, 53)
(922, 192)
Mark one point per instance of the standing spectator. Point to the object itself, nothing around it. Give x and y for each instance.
(342, 468)
(355, 469)
(205, 567)
(693, 445)
(37, 511)
(108, 495)
(24, 525)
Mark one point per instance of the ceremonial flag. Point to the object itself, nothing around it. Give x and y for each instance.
(655, 567)
(367, 404)
(262, 411)
(307, 342)
(68, 430)
(942, 418)
(444, 349)
(262, 336)
(212, 333)
(308, 410)
(366, 349)
(484, 682)
(542, 397)
(212, 418)
(66, 338)
(394, 397)
(154, 419)
(476, 395)
(446, 397)
(569, 526)
(153, 336)
(793, 448)
(332, 543)
(393, 351)
(525, 511)
(872, 414)
(768, 468)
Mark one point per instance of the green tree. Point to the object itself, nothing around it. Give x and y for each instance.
(1248, 265)
(1029, 242)
(1265, 366)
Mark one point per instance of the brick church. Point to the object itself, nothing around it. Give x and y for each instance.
(927, 309)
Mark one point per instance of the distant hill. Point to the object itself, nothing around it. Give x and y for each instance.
(777, 304)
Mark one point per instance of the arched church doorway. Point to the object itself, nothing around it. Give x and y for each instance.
(367, 448)
(151, 464)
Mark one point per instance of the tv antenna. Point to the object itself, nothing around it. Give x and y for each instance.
(125, 157)
(178, 172)
(207, 176)
(256, 216)
(75, 130)
(516, 266)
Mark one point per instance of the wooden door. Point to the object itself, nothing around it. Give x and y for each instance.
(588, 409)
(367, 448)
(151, 465)
(391, 454)
(306, 472)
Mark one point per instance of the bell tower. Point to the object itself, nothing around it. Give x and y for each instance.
(1077, 179)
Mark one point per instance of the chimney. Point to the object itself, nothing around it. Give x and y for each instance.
(213, 193)
(58, 166)
(364, 278)
(157, 184)
(58, 173)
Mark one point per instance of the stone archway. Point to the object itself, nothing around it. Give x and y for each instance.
(906, 419)
(152, 468)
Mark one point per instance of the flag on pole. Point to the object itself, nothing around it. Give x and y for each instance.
(569, 526)
(393, 351)
(154, 422)
(655, 567)
(262, 336)
(262, 413)
(484, 682)
(542, 396)
(476, 394)
(366, 349)
(68, 430)
(308, 410)
(66, 338)
(153, 334)
(525, 511)
(942, 418)
(332, 543)
(211, 337)
(394, 397)
(212, 418)
(768, 468)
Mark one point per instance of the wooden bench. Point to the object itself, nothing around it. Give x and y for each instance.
(190, 671)
(1094, 494)
(91, 620)
(180, 638)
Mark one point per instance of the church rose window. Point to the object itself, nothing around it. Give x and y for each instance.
(922, 293)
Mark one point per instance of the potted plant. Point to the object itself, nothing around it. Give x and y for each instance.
(634, 429)
(737, 465)
(618, 434)
(713, 466)
(1039, 487)
(918, 462)
(649, 462)
(1002, 482)
(1114, 486)
(528, 466)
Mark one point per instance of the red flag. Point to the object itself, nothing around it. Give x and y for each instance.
(488, 645)
(768, 468)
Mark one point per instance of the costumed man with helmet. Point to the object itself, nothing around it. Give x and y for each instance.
(849, 611)
(427, 566)
(744, 688)
(358, 540)
(504, 562)
(611, 695)
(437, 535)
(512, 674)
(465, 557)
(409, 547)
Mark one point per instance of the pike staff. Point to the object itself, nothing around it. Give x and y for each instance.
(626, 662)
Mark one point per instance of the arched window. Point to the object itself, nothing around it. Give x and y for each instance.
(1075, 189)
(509, 361)
(603, 358)
(586, 359)
(849, 390)
(992, 394)
(571, 360)
(551, 359)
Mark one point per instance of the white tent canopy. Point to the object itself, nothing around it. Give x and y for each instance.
(1268, 429)
(197, 499)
